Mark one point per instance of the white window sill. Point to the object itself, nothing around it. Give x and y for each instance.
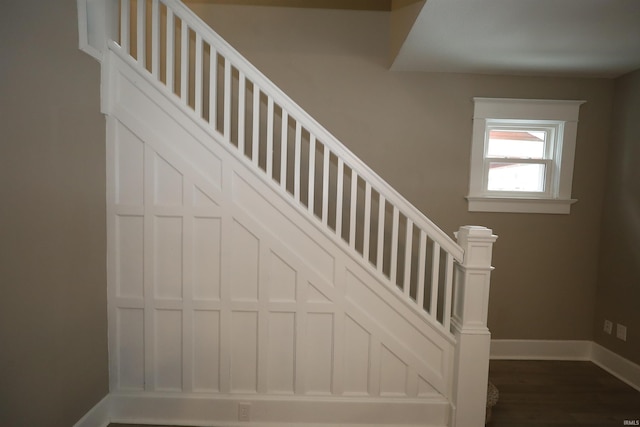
(519, 205)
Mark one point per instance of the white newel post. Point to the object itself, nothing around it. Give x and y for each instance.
(97, 24)
(469, 323)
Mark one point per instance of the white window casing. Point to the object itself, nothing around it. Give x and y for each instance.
(559, 120)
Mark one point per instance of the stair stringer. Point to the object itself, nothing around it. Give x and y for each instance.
(277, 289)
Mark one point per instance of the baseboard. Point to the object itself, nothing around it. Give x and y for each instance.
(616, 365)
(611, 362)
(272, 411)
(98, 416)
(540, 350)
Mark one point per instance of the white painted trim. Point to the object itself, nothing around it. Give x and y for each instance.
(562, 114)
(83, 30)
(616, 365)
(98, 416)
(272, 411)
(519, 205)
(540, 350)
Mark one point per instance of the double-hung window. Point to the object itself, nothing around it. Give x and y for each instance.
(522, 155)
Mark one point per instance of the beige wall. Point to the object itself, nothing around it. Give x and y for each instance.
(401, 20)
(618, 296)
(414, 129)
(53, 326)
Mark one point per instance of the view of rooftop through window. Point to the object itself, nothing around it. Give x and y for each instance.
(526, 147)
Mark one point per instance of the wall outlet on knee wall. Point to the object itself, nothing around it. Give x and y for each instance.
(244, 411)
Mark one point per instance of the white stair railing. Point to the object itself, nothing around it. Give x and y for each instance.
(446, 282)
(316, 172)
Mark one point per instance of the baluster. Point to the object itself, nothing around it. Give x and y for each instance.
(155, 39)
(296, 165)
(213, 88)
(339, 196)
(198, 77)
(184, 61)
(227, 99)
(242, 87)
(255, 143)
(269, 168)
(312, 172)
(393, 275)
(284, 142)
(435, 278)
(125, 25)
(448, 288)
(325, 186)
(422, 261)
(170, 50)
(141, 33)
(408, 249)
(381, 227)
(367, 221)
(353, 208)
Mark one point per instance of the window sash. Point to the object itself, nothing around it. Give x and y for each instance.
(547, 177)
(549, 127)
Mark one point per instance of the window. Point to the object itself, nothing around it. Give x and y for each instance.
(522, 155)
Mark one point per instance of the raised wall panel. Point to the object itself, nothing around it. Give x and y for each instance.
(424, 347)
(206, 351)
(244, 264)
(168, 257)
(393, 374)
(288, 232)
(168, 350)
(130, 348)
(129, 168)
(244, 352)
(129, 256)
(281, 355)
(319, 357)
(168, 184)
(206, 262)
(282, 287)
(356, 358)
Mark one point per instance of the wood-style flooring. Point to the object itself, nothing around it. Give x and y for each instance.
(556, 394)
(560, 394)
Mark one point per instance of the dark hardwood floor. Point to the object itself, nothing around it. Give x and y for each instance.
(560, 394)
(557, 394)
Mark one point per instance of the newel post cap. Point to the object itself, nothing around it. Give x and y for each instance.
(477, 242)
(475, 233)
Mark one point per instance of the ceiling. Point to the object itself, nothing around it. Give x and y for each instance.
(581, 38)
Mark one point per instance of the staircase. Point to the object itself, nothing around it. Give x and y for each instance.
(259, 273)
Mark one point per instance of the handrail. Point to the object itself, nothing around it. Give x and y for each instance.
(250, 112)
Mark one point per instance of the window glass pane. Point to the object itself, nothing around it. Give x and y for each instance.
(517, 143)
(516, 177)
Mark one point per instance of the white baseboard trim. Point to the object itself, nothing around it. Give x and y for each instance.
(611, 362)
(540, 350)
(616, 365)
(98, 416)
(272, 411)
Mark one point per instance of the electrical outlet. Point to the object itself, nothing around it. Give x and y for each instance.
(244, 411)
(608, 327)
(621, 332)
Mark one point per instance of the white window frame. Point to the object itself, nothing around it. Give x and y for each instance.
(560, 119)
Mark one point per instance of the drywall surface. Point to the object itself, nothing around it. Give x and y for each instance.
(618, 295)
(53, 322)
